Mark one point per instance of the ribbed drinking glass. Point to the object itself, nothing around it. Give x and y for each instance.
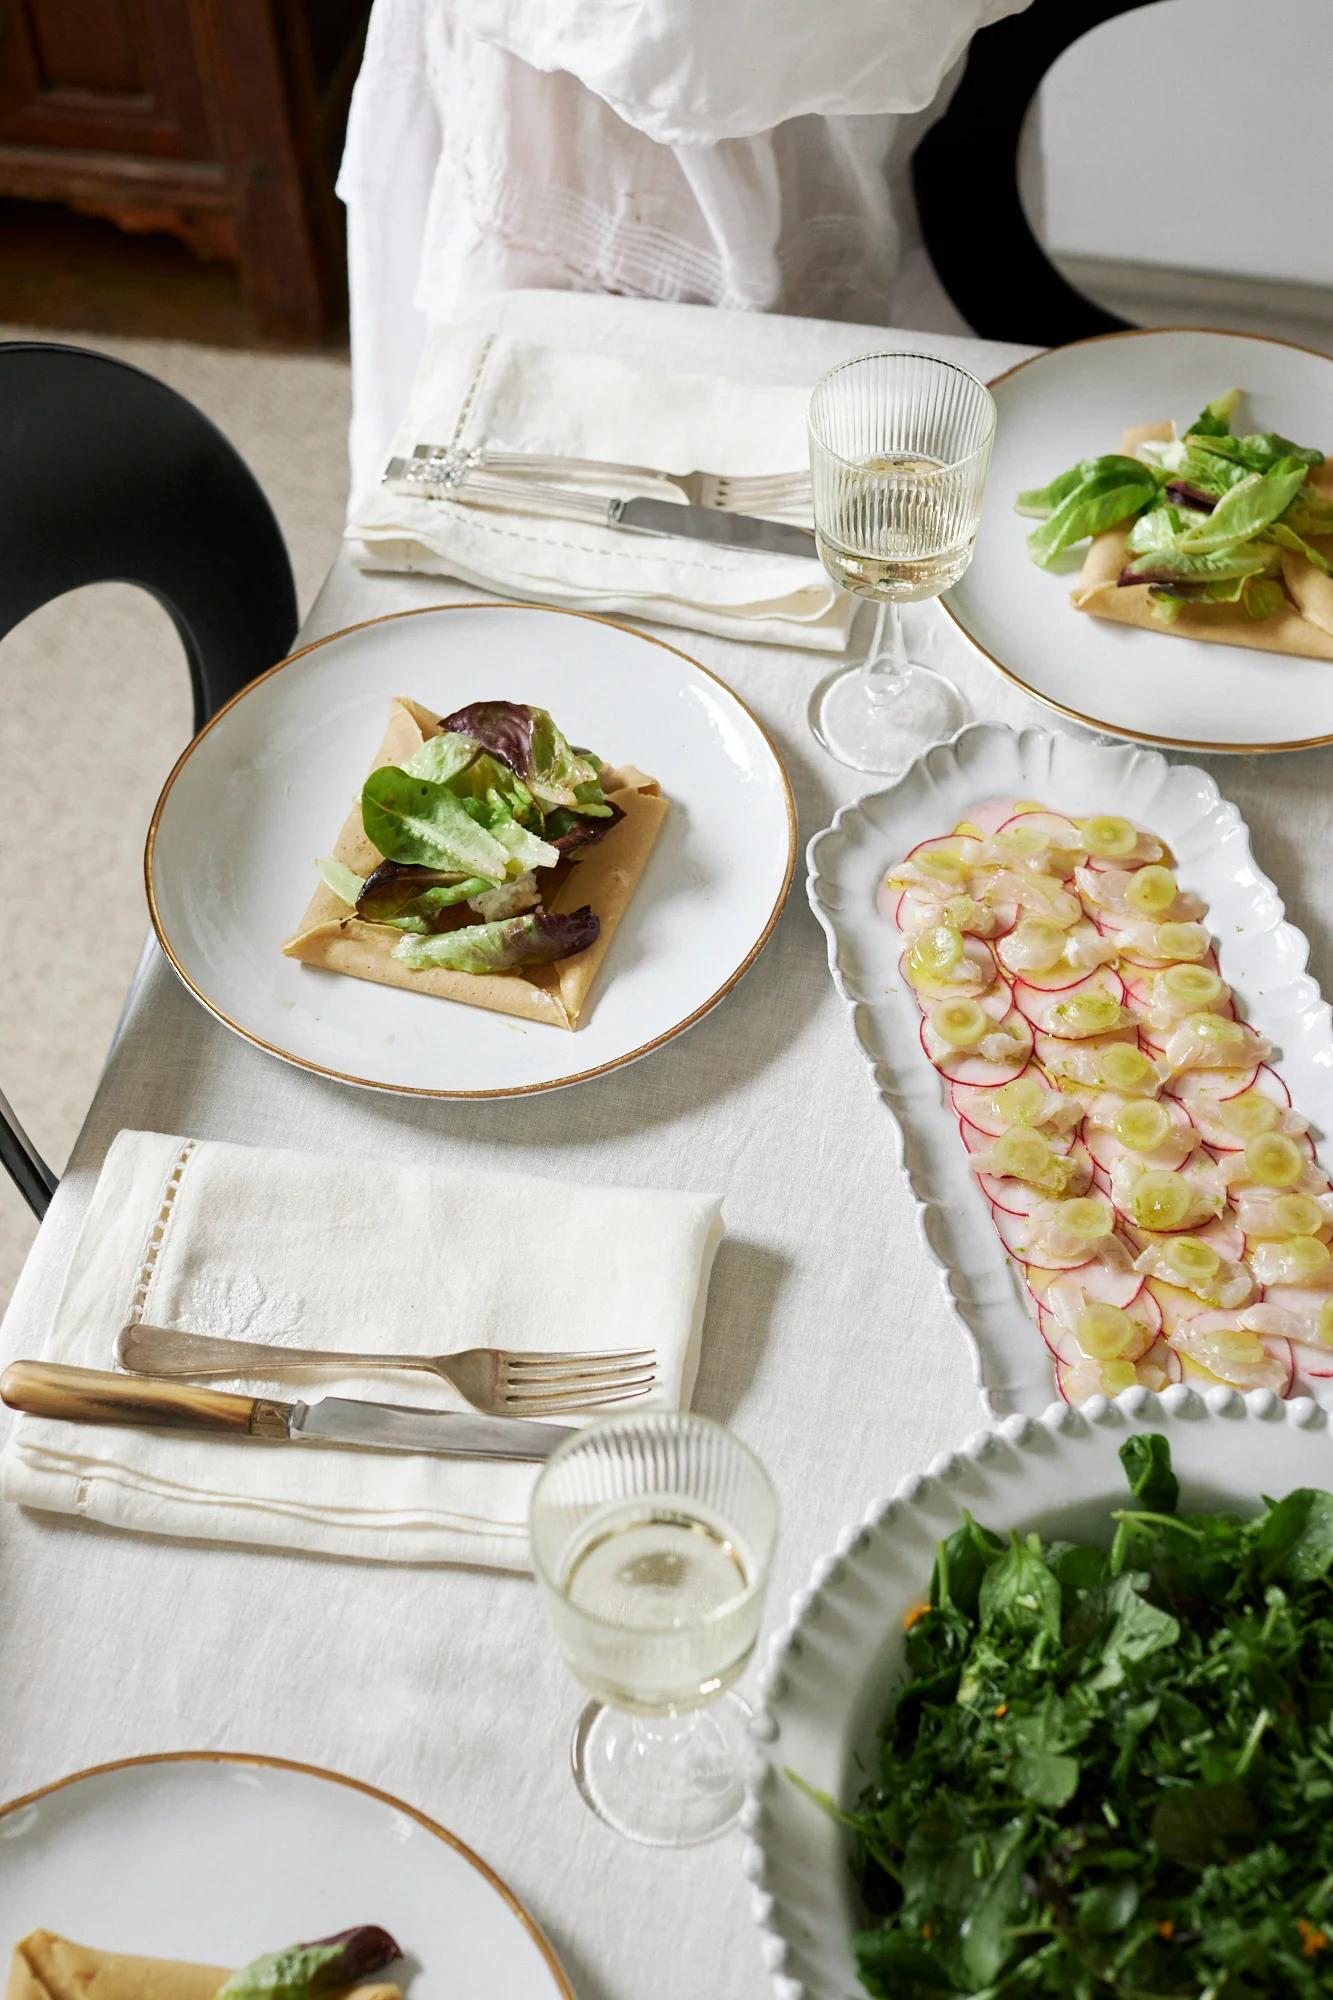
(899, 449)
(652, 1537)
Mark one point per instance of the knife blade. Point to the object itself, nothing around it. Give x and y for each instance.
(97, 1396)
(712, 524)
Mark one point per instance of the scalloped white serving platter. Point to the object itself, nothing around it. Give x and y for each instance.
(1262, 956)
(831, 1672)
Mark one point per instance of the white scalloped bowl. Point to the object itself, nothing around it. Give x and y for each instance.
(1262, 956)
(831, 1672)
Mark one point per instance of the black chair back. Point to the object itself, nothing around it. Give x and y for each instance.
(107, 475)
(965, 176)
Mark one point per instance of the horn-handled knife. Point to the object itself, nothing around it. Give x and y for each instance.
(97, 1396)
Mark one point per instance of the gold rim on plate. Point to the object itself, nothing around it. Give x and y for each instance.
(243, 1757)
(517, 1090)
(1076, 714)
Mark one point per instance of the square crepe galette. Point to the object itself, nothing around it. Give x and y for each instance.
(486, 860)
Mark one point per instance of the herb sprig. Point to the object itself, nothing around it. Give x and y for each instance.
(1111, 1769)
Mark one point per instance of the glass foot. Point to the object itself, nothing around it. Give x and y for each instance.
(668, 1781)
(880, 719)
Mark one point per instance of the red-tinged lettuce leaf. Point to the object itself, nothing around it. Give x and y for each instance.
(305, 1971)
(1186, 494)
(504, 946)
(396, 889)
(504, 728)
(570, 831)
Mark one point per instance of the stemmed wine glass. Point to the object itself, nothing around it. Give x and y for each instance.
(899, 449)
(652, 1537)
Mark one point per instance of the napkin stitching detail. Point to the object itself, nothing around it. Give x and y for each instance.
(470, 393)
(582, 548)
(157, 1232)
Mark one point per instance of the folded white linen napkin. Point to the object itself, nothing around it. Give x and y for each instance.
(477, 389)
(360, 1254)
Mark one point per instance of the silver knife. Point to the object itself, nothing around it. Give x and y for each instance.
(645, 516)
(97, 1396)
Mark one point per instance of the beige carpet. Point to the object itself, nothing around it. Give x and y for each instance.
(109, 656)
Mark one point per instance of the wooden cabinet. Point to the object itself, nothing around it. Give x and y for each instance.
(219, 120)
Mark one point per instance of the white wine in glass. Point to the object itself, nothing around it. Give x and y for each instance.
(652, 1537)
(899, 449)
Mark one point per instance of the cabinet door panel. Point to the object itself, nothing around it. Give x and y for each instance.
(115, 76)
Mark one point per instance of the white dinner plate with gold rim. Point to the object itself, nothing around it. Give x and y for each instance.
(265, 786)
(215, 1859)
(1075, 402)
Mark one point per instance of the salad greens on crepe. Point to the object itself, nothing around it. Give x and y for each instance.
(1110, 1772)
(306, 1971)
(467, 826)
(1212, 512)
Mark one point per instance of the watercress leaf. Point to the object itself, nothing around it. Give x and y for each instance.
(1108, 1907)
(987, 1939)
(441, 758)
(961, 1560)
(1039, 501)
(509, 943)
(1045, 1778)
(1118, 489)
(1132, 1631)
(1146, 1458)
(1294, 1539)
(417, 821)
(345, 883)
(1248, 507)
(1214, 420)
(1195, 1825)
(1018, 1591)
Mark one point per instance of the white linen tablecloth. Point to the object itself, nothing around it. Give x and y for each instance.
(828, 1343)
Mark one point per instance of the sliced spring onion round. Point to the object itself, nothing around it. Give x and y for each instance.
(1303, 1257)
(1143, 1125)
(1191, 985)
(1237, 1347)
(1181, 940)
(1324, 1325)
(1297, 1215)
(1086, 1014)
(1021, 840)
(1249, 1114)
(1022, 1153)
(1124, 1067)
(1273, 1160)
(945, 864)
(1151, 891)
(960, 1023)
(1160, 1200)
(933, 953)
(1188, 1258)
(1117, 1376)
(1089, 1217)
(1105, 1333)
(1020, 1102)
(1214, 1027)
(1109, 837)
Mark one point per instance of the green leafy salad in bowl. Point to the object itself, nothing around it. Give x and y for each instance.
(1223, 525)
(1110, 1771)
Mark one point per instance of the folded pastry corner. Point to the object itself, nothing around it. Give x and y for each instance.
(45, 1966)
(602, 876)
(1303, 627)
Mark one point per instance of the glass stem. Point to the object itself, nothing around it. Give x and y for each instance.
(886, 662)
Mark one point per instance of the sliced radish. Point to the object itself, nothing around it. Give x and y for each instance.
(1105, 1149)
(1192, 1341)
(991, 816)
(1050, 1050)
(1016, 1197)
(1040, 1005)
(1162, 1355)
(1192, 1084)
(1110, 1287)
(1059, 831)
(1312, 1359)
(1203, 1105)
(961, 1067)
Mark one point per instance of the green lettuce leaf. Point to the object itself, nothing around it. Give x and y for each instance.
(416, 821)
(1181, 565)
(511, 942)
(1039, 501)
(1248, 508)
(1259, 451)
(1118, 489)
(1214, 420)
(1287, 538)
(1159, 528)
(442, 758)
(304, 1971)
(1263, 597)
(344, 881)
(524, 849)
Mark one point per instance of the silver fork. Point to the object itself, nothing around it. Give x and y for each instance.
(744, 493)
(496, 1380)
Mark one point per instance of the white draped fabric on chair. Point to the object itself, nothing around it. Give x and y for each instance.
(751, 157)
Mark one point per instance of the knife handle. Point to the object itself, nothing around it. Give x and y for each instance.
(96, 1396)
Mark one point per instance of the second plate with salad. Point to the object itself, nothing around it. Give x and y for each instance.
(1145, 678)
